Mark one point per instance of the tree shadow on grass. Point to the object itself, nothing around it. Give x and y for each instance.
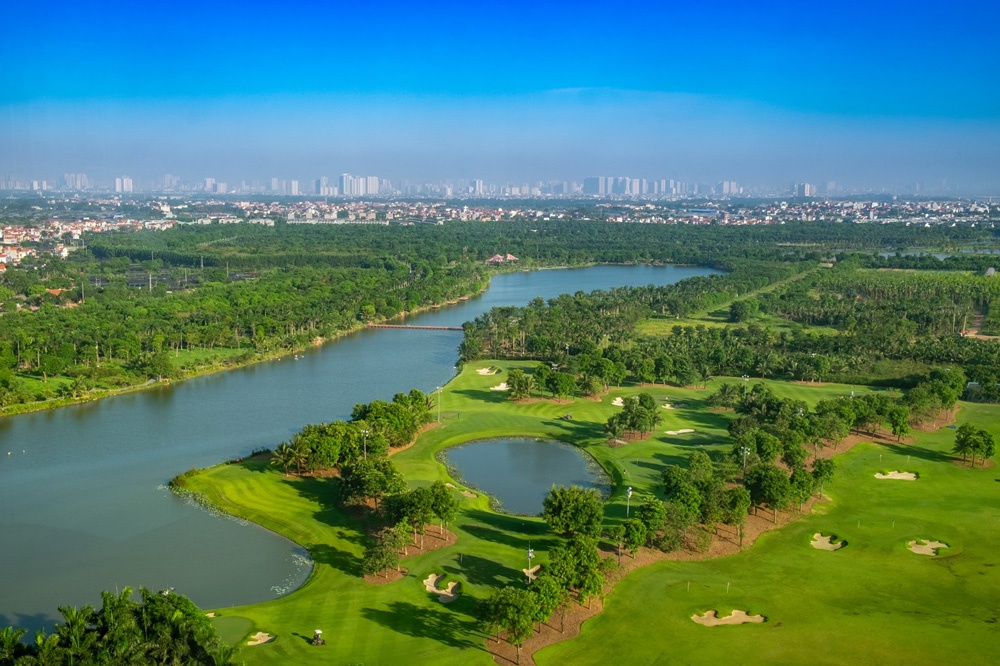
(341, 560)
(438, 624)
(496, 397)
(481, 571)
(919, 452)
(578, 430)
(516, 525)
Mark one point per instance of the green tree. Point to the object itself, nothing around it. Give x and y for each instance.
(737, 507)
(769, 486)
(520, 384)
(550, 597)
(443, 503)
(573, 510)
(635, 535)
(822, 472)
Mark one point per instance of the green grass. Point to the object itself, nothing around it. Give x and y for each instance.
(874, 585)
(871, 602)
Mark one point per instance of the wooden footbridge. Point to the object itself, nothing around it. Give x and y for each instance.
(417, 328)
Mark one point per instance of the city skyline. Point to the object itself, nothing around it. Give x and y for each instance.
(867, 96)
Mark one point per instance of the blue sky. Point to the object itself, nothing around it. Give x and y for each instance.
(878, 93)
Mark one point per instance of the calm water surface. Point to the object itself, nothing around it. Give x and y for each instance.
(83, 506)
(519, 472)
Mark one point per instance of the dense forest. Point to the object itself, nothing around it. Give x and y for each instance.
(130, 308)
(845, 323)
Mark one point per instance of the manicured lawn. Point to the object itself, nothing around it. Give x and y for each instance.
(812, 598)
(873, 602)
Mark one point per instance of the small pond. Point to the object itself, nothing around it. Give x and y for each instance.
(519, 472)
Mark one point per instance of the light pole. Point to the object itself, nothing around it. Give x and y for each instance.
(364, 434)
(531, 556)
(439, 404)
(746, 378)
(628, 500)
(745, 451)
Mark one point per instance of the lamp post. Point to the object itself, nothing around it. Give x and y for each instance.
(745, 451)
(746, 378)
(439, 403)
(531, 556)
(364, 434)
(628, 500)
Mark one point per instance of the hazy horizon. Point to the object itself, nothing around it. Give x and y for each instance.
(865, 96)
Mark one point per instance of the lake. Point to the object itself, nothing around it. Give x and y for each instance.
(519, 472)
(83, 503)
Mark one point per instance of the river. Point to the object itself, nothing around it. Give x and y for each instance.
(83, 503)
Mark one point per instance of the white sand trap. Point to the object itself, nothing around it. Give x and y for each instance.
(260, 638)
(502, 386)
(825, 542)
(487, 371)
(682, 431)
(711, 618)
(468, 494)
(446, 595)
(667, 406)
(209, 614)
(905, 476)
(532, 573)
(925, 547)
(618, 402)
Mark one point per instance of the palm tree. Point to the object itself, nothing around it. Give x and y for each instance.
(283, 455)
(73, 634)
(10, 643)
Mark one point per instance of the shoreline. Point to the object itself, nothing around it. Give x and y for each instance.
(94, 396)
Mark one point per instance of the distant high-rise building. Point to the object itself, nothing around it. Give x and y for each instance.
(322, 185)
(371, 185)
(221, 188)
(293, 188)
(728, 188)
(275, 185)
(76, 181)
(477, 187)
(804, 190)
(345, 185)
(209, 185)
(123, 185)
(170, 181)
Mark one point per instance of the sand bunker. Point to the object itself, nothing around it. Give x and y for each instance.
(711, 618)
(905, 476)
(209, 614)
(826, 542)
(502, 386)
(532, 573)
(618, 402)
(467, 493)
(683, 431)
(487, 371)
(925, 547)
(446, 595)
(667, 406)
(260, 638)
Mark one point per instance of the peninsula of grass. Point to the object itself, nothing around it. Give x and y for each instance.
(874, 602)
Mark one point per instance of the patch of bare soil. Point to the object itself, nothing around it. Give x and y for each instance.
(423, 429)
(938, 421)
(433, 539)
(967, 464)
(386, 577)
